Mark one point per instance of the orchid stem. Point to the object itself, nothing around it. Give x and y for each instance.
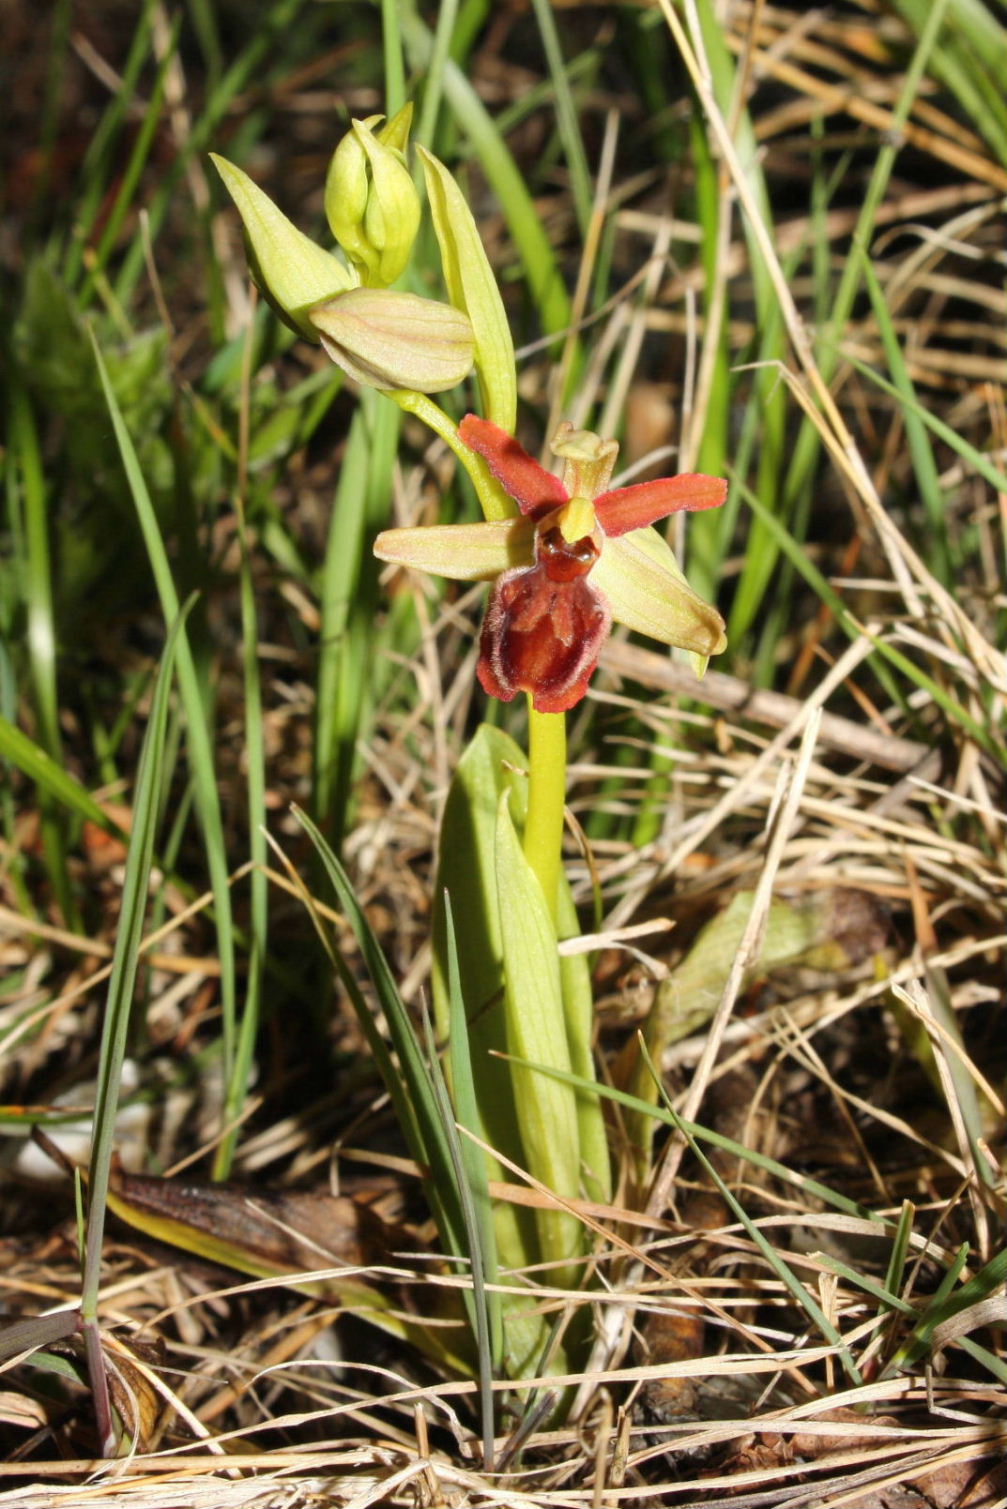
(494, 501)
(543, 833)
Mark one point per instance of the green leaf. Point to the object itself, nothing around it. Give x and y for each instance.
(578, 1012)
(490, 766)
(536, 1030)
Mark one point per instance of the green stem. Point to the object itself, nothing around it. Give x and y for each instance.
(494, 501)
(543, 833)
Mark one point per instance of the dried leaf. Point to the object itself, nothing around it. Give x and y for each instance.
(262, 1232)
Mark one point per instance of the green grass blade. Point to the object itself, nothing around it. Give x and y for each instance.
(53, 779)
(463, 1090)
(970, 58)
(131, 176)
(783, 1271)
(391, 40)
(115, 1025)
(945, 1302)
(52, 104)
(537, 259)
(37, 567)
(335, 700)
(348, 678)
(37, 595)
(97, 169)
(709, 536)
(886, 1297)
(924, 465)
(204, 23)
(433, 88)
(807, 447)
(478, 1223)
(984, 1357)
(949, 1301)
(897, 1257)
(247, 67)
(894, 658)
(200, 747)
(810, 1187)
(976, 459)
(125, 963)
(566, 115)
(409, 1084)
(255, 764)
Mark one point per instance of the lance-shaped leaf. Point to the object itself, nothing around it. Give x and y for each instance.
(466, 871)
(282, 1234)
(547, 1108)
(579, 1014)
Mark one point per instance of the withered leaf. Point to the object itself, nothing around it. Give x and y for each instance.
(264, 1232)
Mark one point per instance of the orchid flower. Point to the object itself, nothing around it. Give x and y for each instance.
(576, 557)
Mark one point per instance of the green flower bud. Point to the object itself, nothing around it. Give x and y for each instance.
(291, 272)
(394, 134)
(396, 340)
(370, 199)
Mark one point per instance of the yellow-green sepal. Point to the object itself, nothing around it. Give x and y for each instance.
(472, 287)
(461, 552)
(290, 270)
(647, 590)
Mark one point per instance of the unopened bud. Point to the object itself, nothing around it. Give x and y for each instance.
(292, 273)
(371, 200)
(385, 339)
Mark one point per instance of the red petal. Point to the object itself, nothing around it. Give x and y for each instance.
(632, 507)
(534, 490)
(542, 637)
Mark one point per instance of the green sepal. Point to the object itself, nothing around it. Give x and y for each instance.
(647, 590)
(290, 270)
(462, 552)
(472, 288)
